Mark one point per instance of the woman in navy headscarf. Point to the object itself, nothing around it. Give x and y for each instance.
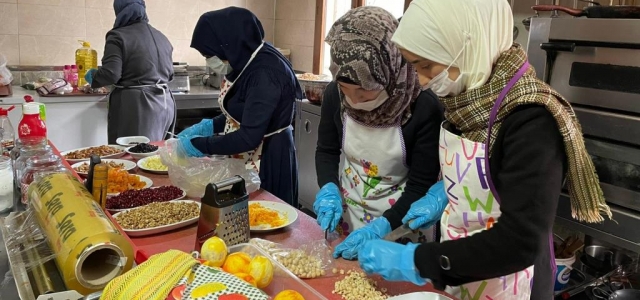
(257, 99)
(137, 61)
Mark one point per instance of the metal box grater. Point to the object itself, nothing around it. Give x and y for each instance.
(224, 213)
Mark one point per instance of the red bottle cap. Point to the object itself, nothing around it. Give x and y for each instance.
(5, 111)
(28, 98)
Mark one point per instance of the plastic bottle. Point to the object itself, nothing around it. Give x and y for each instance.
(67, 72)
(86, 59)
(43, 108)
(74, 77)
(31, 126)
(7, 135)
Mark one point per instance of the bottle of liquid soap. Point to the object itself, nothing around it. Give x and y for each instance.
(74, 77)
(7, 135)
(31, 127)
(86, 59)
(67, 72)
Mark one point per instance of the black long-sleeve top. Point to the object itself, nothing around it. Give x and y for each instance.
(527, 166)
(420, 133)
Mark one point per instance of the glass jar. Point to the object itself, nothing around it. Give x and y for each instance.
(35, 165)
(6, 185)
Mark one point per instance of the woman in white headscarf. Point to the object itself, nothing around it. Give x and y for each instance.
(507, 144)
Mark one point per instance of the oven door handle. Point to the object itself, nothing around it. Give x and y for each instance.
(552, 49)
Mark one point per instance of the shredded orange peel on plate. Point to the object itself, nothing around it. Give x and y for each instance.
(260, 216)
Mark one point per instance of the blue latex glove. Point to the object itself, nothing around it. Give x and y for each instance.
(328, 207)
(349, 248)
(204, 128)
(89, 75)
(427, 210)
(187, 149)
(395, 262)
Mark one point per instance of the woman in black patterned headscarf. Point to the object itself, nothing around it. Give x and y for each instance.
(387, 128)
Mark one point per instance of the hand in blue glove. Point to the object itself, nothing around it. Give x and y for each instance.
(395, 262)
(186, 148)
(349, 248)
(427, 210)
(204, 128)
(328, 206)
(88, 77)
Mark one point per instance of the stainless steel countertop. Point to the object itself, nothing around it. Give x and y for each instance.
(198, 97)
(198, 92)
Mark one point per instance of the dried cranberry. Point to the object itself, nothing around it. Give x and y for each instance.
(135, 198)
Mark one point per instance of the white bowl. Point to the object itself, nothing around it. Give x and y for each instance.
(138, 156)
(132, 140)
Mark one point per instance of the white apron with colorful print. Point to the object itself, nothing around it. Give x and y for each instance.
(251, 158)
(374, 174)
(472, 209)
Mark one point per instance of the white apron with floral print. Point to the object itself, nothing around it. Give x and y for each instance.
(374, 174)
(472, 209)
(251, 158)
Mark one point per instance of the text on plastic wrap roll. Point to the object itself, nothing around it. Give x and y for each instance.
(91, 251)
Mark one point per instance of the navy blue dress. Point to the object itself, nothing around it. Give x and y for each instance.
(262, 99)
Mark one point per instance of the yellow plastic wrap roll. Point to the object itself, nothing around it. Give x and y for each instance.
(90, 249)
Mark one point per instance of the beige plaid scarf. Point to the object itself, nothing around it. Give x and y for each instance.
(469, 112)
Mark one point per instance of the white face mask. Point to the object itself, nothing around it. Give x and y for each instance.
(369, 105)
(442, 85)
(216, 65)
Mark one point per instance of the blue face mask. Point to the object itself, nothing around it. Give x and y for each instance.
(217, 66)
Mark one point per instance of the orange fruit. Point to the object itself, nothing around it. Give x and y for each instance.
(237, 263)
(177, 292)
(288, 295)
(214, 251)
(261, 269)
(247, 278)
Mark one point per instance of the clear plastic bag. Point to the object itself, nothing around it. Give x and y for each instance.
(309, 260)
(194, 174)
(26, 242)
(5, 74)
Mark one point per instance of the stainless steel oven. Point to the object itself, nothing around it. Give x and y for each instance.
(595, 64)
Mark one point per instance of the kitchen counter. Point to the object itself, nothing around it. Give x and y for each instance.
(303, 230)
(197, 92)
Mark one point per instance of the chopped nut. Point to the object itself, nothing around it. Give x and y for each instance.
(301, 264)
(158, 214)
(335, 271)
(341, 272)
(357, 286)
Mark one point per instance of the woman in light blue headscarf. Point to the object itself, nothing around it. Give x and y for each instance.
(137, 61)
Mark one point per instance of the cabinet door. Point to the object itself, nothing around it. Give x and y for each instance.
(307, 138)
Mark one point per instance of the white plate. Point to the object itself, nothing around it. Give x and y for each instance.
(420, 296)
(144, 160)
(138, 156)
(129, 141)
(159, 229)
(128, 165)
(73, 161)
(285, 210)
(117, 210)
(147, 183)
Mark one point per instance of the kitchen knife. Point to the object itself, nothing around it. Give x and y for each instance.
(399, 232)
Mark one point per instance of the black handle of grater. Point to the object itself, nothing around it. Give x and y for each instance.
(93, 161)
(212, 192)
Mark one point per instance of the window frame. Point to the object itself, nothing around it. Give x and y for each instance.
(319, 34)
